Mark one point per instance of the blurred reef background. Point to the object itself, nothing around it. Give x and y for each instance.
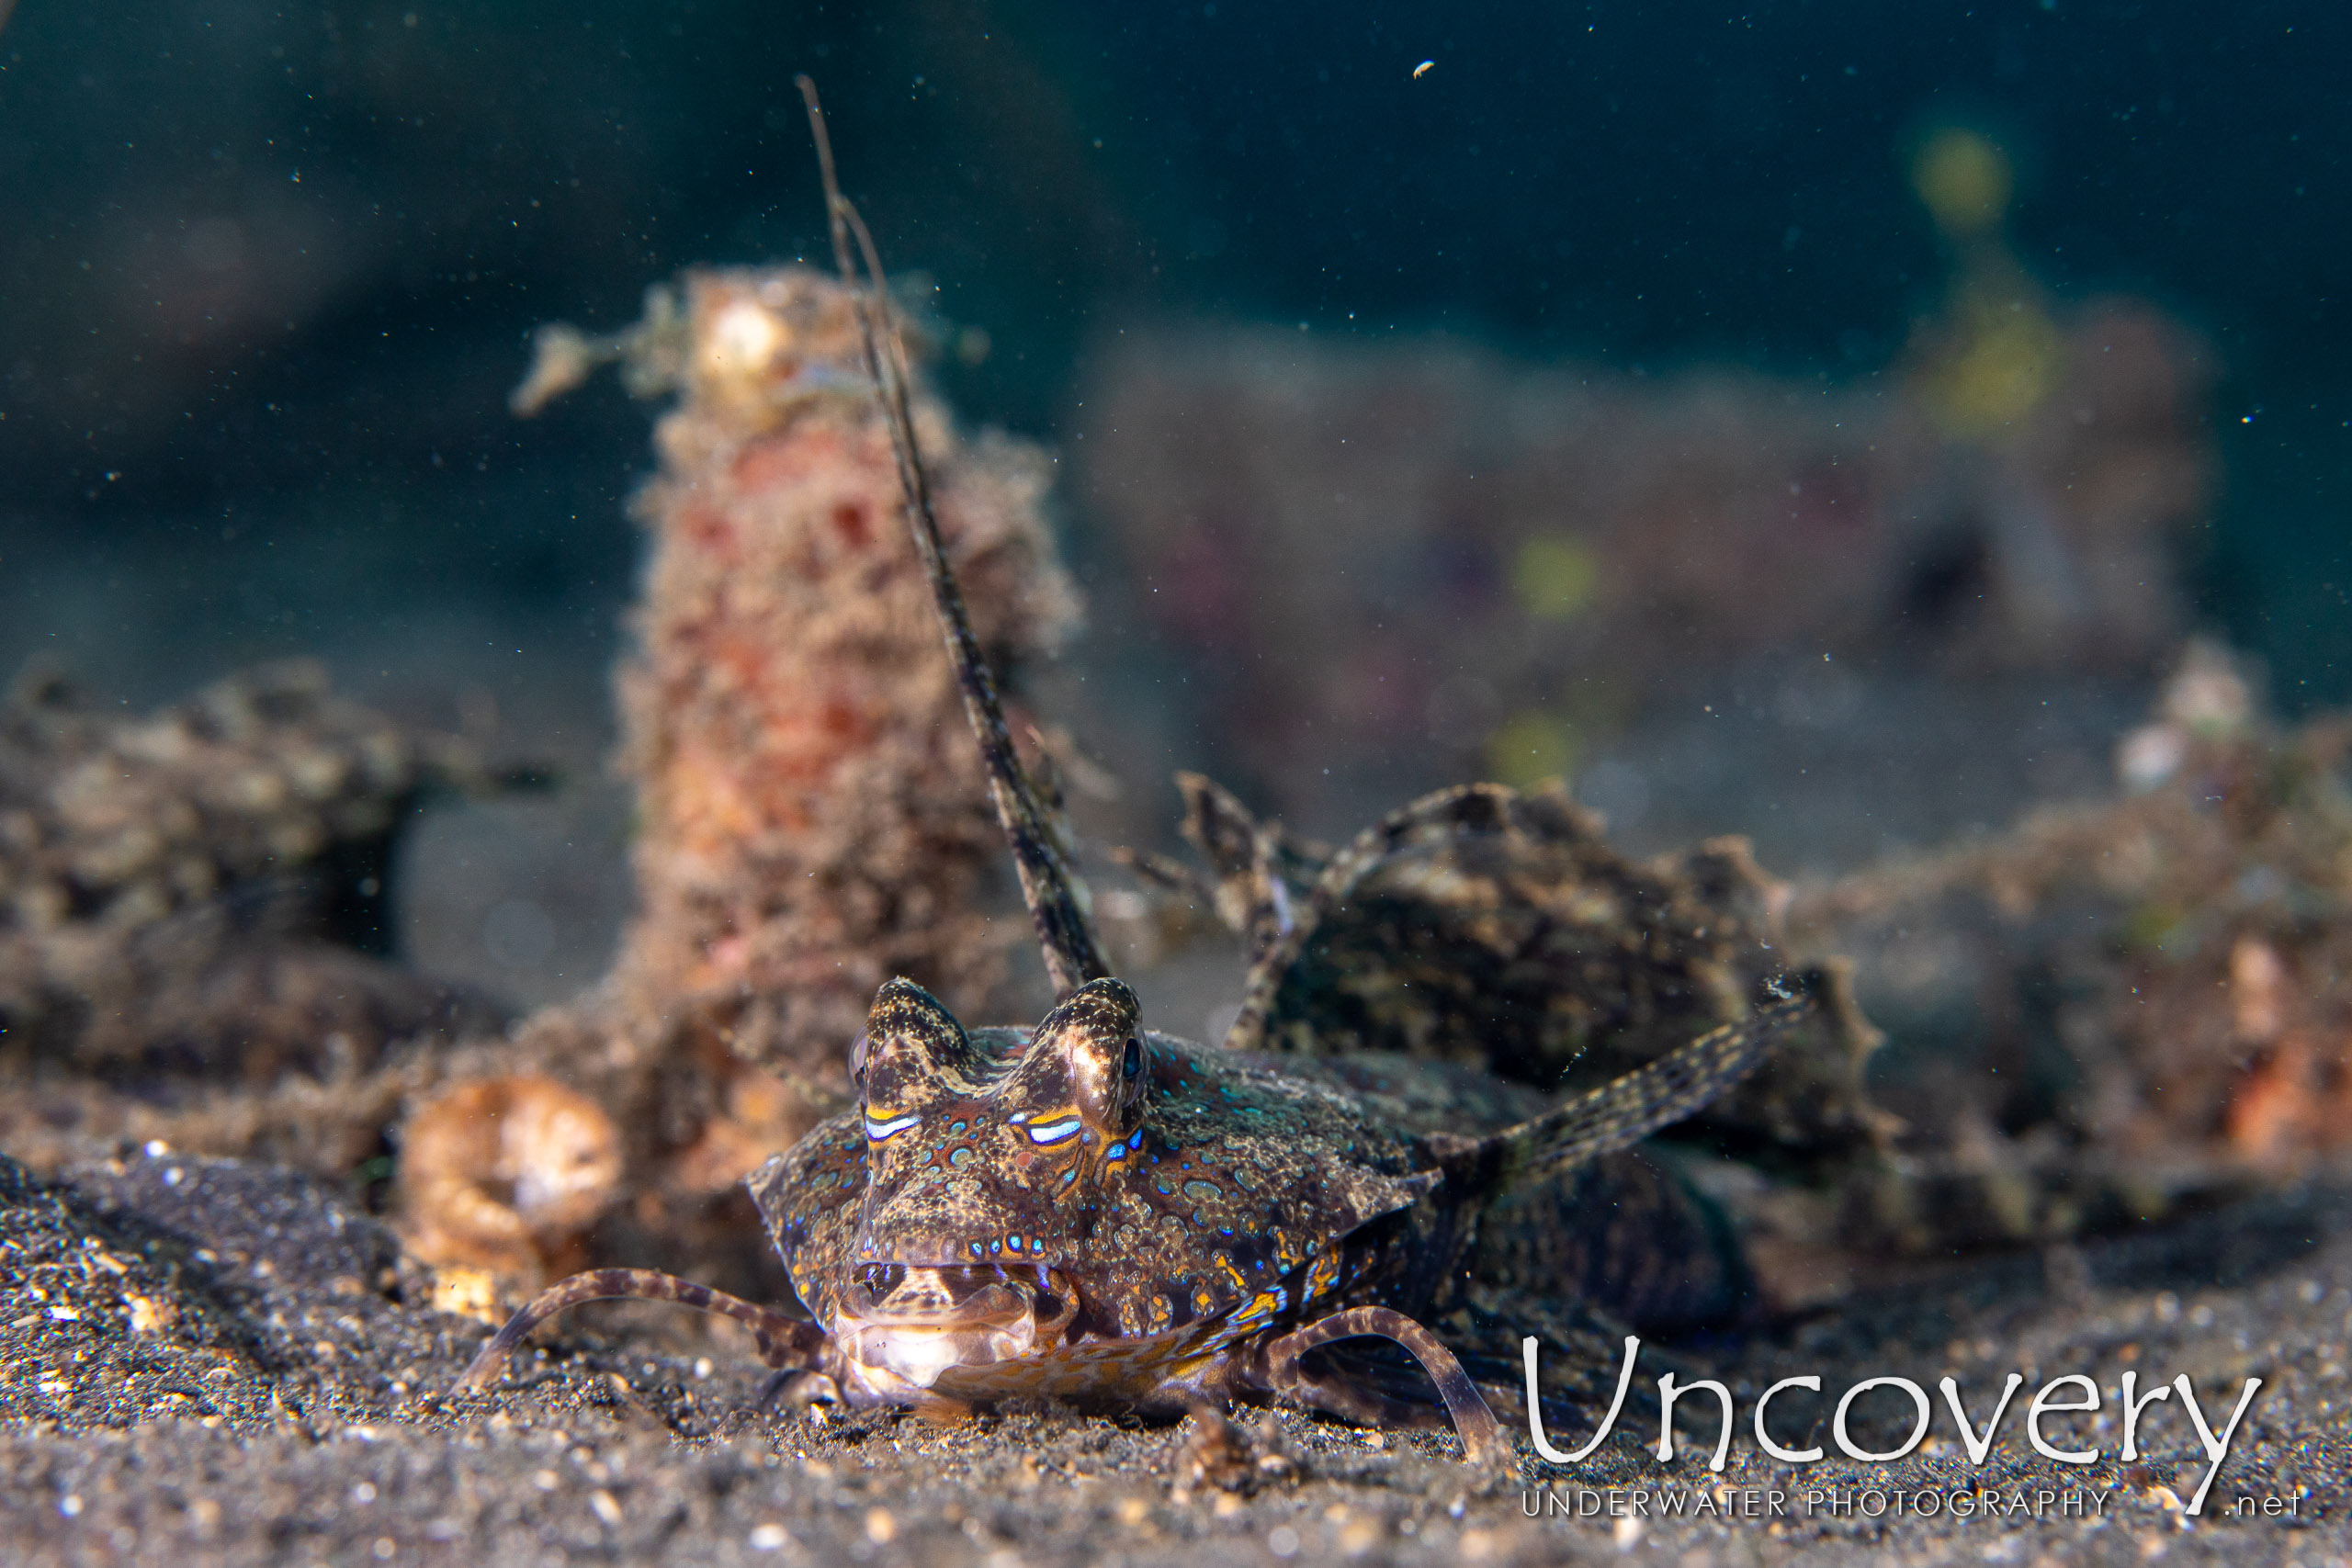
(268, 271)
(1807, 423)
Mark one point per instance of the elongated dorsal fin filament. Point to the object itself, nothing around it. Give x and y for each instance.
(1056, 899)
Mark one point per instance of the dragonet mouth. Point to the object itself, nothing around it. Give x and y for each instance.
(917, 1321)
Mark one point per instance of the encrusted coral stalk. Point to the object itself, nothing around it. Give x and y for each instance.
(812, 817)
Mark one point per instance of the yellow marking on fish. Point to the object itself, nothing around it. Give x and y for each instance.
(1052, 1126)
(1263, 1305)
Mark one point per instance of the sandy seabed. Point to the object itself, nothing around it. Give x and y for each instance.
(210, 1362)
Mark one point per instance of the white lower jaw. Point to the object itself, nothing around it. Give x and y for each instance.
(920, 1355)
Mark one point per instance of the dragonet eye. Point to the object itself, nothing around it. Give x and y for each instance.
(1134, 1062)
(857, 1060)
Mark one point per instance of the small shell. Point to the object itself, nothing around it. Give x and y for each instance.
(506, 1173)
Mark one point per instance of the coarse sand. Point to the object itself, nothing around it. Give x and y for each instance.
(203, 1362)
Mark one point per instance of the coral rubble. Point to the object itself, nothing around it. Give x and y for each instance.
(2117, 1004)
(190, 918)
(1500, 930)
